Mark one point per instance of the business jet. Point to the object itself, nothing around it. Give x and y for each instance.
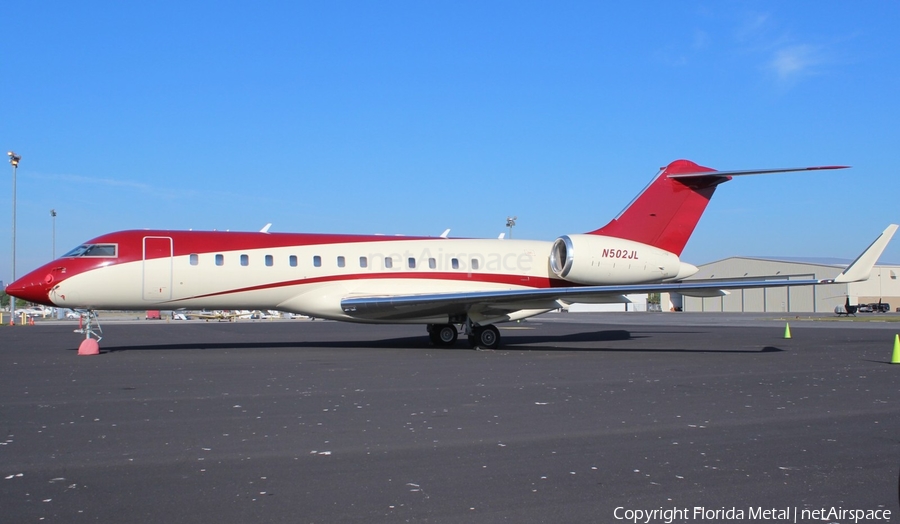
(448, 284)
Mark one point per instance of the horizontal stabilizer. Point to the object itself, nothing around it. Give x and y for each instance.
(666, 212)
(752, 171)
(862, 266)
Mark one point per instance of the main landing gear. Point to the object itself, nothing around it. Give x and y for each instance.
(479, 337)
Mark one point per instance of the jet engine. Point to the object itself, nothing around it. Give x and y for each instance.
(596, 260)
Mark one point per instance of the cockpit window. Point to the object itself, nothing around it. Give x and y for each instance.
(93, 250)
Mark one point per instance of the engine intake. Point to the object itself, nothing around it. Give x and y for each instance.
(601, 260)
(561, 256)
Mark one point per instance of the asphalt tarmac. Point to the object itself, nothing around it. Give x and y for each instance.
(573, 417)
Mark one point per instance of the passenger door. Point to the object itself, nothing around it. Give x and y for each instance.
(157, 269)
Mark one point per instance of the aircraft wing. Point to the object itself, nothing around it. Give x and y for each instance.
(498, 303)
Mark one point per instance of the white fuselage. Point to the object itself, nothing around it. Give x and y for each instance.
(312, 279)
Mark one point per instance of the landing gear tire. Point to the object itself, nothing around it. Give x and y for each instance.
(442, 334)
(485, 337)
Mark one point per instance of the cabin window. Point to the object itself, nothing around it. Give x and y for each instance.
(93, 250)
(270, 260)
(432, 263)
(195, 259)
(292, 260)
(317, 261)
(341, 262)
(245, 260)
(412, 263)
(454, 263)
(474, 262)
(101, 250)
(220, 260)
(388, 262)
(363, 262)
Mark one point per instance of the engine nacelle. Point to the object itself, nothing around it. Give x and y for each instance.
(599, 260)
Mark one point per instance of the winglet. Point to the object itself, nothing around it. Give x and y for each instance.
(862, 266)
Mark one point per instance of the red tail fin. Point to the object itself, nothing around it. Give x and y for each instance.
(665, 213)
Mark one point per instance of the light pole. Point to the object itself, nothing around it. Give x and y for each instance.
(53, 218)
(14, 160)
(510, 222)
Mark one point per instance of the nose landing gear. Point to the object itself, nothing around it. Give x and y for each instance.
(90, 327)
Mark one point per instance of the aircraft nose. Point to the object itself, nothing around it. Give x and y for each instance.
(32, 288)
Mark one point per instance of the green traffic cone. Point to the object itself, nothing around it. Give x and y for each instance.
(895, 359)
(787, 330)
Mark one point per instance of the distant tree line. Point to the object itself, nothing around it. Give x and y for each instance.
(4, 300)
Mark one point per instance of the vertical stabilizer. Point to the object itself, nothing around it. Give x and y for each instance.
(667, 211)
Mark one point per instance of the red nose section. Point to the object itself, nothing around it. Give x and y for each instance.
(33, 288)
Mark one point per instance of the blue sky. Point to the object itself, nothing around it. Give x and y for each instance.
(413, 117)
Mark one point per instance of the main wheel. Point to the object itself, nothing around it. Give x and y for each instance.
(443, 334)
(433, 335)
(446, 334)
(486, 337)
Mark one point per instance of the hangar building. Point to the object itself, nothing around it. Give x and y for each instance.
(882, 285)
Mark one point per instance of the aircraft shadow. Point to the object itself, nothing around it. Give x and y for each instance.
(519, 342)
(515, 347)
(557, 343)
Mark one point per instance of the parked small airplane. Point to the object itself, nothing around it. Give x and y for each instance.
(219, 315)
(437, 281)
(234, 315)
